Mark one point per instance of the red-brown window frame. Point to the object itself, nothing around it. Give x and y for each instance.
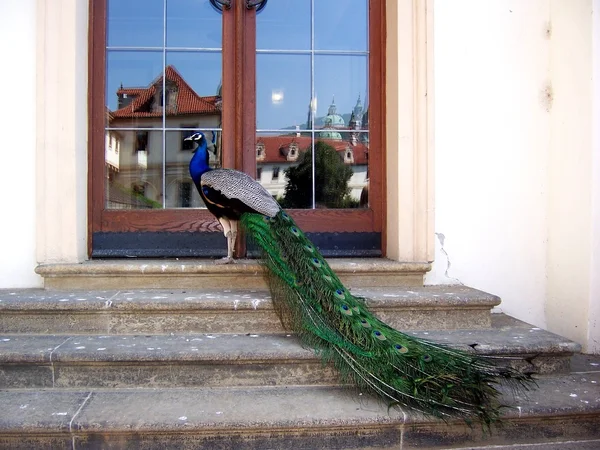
(238, 53)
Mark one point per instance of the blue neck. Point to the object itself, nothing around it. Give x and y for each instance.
(199, 163)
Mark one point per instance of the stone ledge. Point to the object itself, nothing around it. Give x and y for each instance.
(185, 274)
(434, 297)
(307, 417)
(202, 360)
(223, 310)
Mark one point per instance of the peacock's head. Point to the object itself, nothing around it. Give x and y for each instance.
(197, 137)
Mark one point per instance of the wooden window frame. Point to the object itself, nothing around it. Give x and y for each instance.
(241, 118)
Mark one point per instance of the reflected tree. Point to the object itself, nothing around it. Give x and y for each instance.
(331, 184)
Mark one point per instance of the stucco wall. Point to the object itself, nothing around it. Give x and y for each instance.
(593, 337)
(514, 178)
(18, 128)
(492, 139)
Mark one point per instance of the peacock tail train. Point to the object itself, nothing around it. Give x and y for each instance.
(401, 369)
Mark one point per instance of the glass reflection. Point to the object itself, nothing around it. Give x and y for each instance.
(133, 81)
(315, 94)
(193, 23)
(174, 104)
(342, 78)
(197, 78)
(135, 23)
(282, 91)
(284, 24)
(276, 155)
(284, 164)
(142, 103)
(134, 161)
(155, 98)
(341, 170)
(341, 25)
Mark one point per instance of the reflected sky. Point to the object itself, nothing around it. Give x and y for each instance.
(284, 87)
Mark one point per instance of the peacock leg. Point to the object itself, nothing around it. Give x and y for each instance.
(228, 232)
(234, 232)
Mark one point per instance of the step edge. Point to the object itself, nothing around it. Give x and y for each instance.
(209, 267)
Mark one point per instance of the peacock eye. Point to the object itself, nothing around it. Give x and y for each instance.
(401, 348)
(379, 335)
(346, 310)
(339, 293)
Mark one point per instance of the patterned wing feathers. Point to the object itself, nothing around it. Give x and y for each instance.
(238, 186)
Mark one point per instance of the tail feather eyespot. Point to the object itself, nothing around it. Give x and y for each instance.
(379, 335)
(346, 310)
(401, 348)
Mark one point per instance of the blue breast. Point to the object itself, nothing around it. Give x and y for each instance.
(199, 163)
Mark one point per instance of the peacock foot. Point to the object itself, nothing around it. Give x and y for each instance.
(225, 260)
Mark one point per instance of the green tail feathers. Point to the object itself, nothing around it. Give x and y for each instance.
(404, 370)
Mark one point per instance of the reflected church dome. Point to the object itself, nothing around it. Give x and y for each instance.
(331, 122)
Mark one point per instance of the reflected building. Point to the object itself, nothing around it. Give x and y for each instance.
(137, 166)
(134, 159)
(275, 154)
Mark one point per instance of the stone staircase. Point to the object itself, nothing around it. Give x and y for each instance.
(100, 361)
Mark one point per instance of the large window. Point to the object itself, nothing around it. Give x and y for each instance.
(293, 93)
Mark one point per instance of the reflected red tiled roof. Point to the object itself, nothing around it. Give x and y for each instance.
(131, 91)
(188, 102)
(276, 147)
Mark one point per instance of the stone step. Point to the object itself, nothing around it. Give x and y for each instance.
(564, 409)
(227, 310)
(202, 360)
(205, 273)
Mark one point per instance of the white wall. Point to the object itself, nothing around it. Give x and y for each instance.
(18, 128)
(593, 337)
(570, 171)
(491, 133)
(514, 158)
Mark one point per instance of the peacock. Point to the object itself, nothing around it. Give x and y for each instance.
(310, 300)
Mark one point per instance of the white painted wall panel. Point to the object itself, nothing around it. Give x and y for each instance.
(18, 129)
(492, 140)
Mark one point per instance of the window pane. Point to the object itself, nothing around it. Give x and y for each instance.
(284, 162)
(276, 155)
(341, 169)
(193, 89)
(134, 88)
(317, 97)
(134, 161)
(151, 90)
(341, 25)
(135, 23)
(282, 91)
(193, 23)
(284, 24)
(340, 82)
